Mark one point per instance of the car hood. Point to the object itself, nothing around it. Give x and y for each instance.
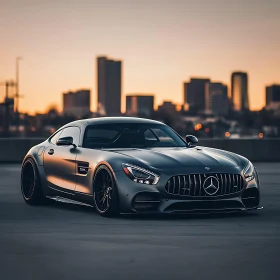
(178, 157)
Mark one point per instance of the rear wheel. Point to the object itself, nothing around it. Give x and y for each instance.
(105, 194)
(31, 187)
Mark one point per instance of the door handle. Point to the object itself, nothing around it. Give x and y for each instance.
(51, 152)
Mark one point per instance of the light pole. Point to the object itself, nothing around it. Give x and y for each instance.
(17, 95)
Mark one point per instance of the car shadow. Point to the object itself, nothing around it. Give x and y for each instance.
(149, 216)
(189, 216)
(71, 206)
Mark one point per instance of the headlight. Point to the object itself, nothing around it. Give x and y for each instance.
(140, 175)
(249, 172)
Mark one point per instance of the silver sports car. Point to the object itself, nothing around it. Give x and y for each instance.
(133, 165)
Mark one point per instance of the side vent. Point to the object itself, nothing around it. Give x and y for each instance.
(83, 167)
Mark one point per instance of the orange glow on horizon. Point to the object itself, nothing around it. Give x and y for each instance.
(160, 49)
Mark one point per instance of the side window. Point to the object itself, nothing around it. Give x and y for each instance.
(55, 137)
(72, 131)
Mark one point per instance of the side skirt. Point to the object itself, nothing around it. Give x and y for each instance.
(69, 196)
(66, 200)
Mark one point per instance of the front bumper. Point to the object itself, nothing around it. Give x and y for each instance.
(141, 198)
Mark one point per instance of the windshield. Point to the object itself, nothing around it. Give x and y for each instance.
(131, 135)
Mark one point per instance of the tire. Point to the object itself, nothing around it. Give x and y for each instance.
(105, 193)
(31, 187)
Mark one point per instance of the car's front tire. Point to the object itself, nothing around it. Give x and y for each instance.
(31, 187)
(105, 193)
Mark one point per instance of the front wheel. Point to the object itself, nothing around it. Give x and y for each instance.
(31, 187)
(105, 195)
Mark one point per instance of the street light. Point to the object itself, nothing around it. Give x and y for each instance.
(17, 82)
(17, 95)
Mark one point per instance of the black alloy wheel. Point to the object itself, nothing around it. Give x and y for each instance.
(31, 188)
(105, 192)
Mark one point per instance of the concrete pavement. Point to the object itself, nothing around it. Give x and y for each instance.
(62, 241)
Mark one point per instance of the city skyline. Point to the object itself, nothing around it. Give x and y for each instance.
(94, 105)
(161, 46)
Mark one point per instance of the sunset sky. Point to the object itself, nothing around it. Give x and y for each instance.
(161, 42)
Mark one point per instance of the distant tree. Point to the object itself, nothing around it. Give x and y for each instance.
(52, 110)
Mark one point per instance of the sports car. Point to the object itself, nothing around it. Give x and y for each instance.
(134, 165)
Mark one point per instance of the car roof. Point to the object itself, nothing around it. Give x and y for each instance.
(111, 120)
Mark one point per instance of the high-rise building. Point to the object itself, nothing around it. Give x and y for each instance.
(217, 101)
(239, 91)
(109, 86)
(194, 94)
(139, 105)
(77, 103)
(273, 96)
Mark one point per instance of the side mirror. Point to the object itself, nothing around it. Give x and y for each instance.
(65, 141)
(191, 140)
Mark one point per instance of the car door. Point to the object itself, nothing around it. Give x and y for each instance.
(90, 153)
(60, 161)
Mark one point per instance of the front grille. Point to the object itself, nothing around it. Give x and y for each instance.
(201, 185)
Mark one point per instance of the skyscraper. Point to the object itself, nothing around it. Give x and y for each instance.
(194, 94)
(139, 105)
(77, 103)
(239, 91)
(217, 98)
(109, 85)
(273, 96)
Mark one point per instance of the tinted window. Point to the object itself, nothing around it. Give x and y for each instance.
(102, 133)
(55, 137)
(73, 132)
(149, 135)
(158, 137)
(128, 135)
